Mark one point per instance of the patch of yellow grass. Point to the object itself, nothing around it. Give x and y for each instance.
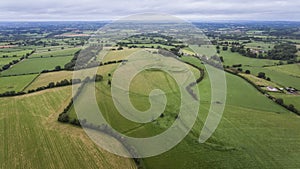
(259, 81)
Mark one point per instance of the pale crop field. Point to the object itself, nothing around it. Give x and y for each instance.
(31, 137)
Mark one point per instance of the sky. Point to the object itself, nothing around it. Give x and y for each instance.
(194, 10)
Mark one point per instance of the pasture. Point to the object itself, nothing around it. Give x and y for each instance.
(231, 58)
(15, 83)
(291, 69)
(278, 77)
(37, 65)
(260, 46)
(289, 99)
(55, 53)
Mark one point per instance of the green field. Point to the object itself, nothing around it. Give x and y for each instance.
(289, 99)
(55, 53)
(231, 58)
(260, 46)
(4, 61)
(40, 64)
(292, 69)
(278, 77)
(15, 83)
(17, 53)
(13, 54)
(31, 137)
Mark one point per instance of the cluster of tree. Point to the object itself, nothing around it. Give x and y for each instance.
(214, 61)
(237, 65)
(284, 51)
(150, 38)
(72, 63)
(262, 75)
(246, 52)
(11, 93)
(83, 57)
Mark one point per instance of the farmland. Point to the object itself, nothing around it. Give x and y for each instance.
(41, 129)
(25, 67)
(15, 83)
(231, 58)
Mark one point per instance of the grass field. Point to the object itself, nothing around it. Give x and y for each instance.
(285, 75)
(55, 53)
(31, 137)
(259, 81)
(4, 61)
(260, 46)
(15, 83)
(292, 69)
(36, 65)
(231, 58)
(289, 99)
(278, 77)
(208, 50)
(13, 54)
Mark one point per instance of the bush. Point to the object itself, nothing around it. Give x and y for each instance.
(261, 75)
(64, 118)
(279, 101)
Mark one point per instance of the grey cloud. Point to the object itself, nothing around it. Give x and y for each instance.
(187, 9)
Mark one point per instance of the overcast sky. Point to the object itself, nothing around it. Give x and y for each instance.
(39, 10)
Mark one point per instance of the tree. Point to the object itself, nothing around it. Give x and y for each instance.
(262, 75)
(109, 83)
(57, 68)
(225, 48)
(247, 72)
(51, 85)
(291, 107)
(64, 117)
(221, 59)
(279, 101)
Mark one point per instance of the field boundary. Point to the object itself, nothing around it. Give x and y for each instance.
(30, 82)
